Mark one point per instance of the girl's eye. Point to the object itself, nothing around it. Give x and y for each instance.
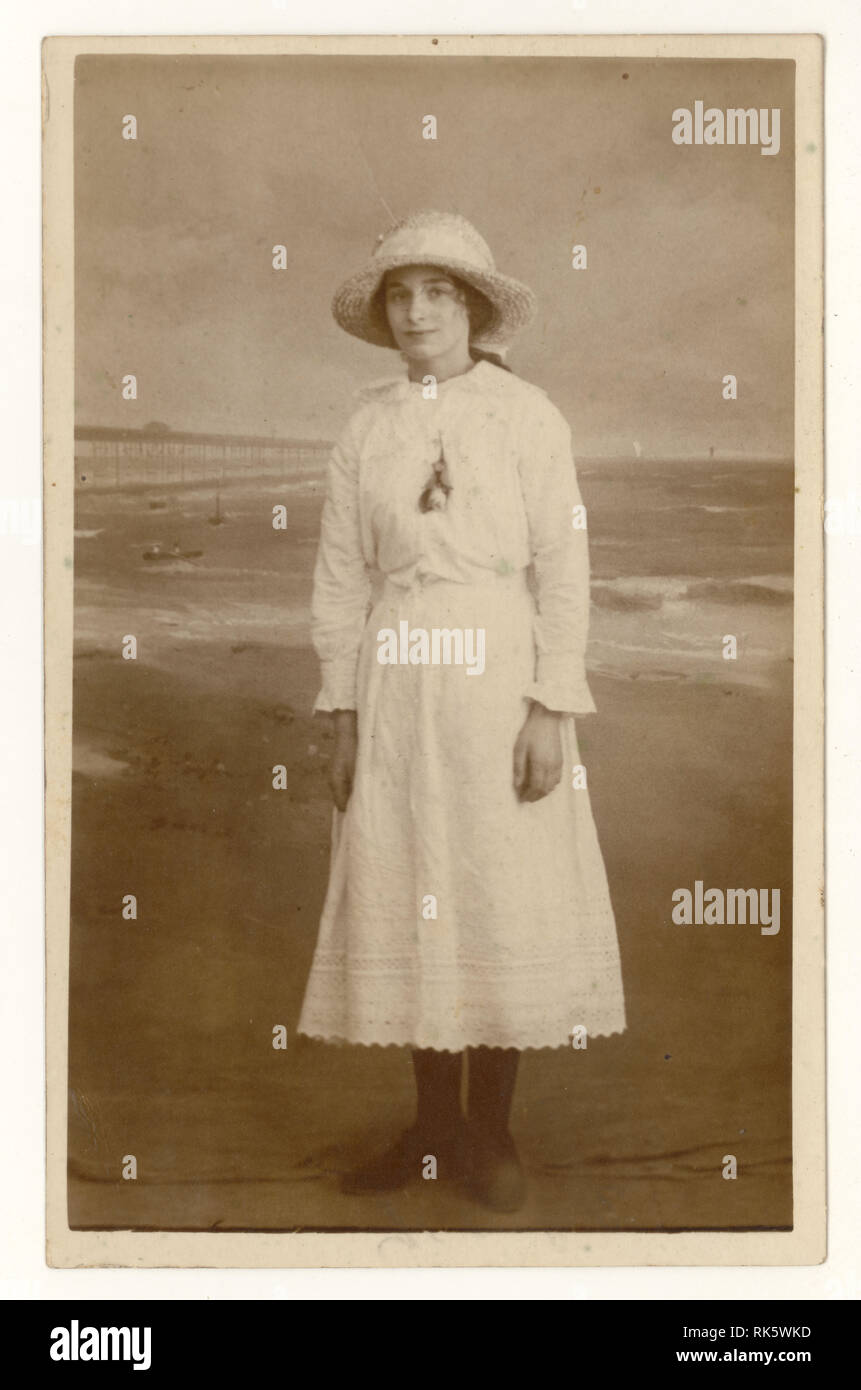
(396, 295)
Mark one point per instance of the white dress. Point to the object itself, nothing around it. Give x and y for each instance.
(457, 915)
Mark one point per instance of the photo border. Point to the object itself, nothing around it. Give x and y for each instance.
(806, 1243)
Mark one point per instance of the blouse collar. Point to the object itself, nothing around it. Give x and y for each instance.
(482, 377)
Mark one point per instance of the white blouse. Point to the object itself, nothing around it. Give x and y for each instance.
(514, 503)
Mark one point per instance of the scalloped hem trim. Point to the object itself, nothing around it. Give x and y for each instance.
(338, 1040)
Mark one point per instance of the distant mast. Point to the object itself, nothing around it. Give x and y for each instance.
(637, 449)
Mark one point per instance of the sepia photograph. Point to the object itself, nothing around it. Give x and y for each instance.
(438, 692)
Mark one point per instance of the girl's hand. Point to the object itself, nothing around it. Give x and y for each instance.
(343, 765)
(538, 754)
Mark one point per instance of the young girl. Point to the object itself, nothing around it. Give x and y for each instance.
(467, 908)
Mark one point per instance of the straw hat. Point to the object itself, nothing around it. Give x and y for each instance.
(445, 240)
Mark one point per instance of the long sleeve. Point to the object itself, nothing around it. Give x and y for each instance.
(560, 558)
(342, 586)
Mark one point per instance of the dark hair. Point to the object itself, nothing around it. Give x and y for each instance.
(482, 355)
(479, 311)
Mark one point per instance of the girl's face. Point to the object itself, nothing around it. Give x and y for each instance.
(427, 312)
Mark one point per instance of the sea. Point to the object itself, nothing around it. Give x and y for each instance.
(692, 564)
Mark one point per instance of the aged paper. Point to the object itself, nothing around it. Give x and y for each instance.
(204, 198)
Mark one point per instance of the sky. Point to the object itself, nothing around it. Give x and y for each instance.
(690, 248)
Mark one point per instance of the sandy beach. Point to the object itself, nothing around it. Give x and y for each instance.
(172, 1014)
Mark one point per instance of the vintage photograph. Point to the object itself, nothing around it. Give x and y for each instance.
(431, 560)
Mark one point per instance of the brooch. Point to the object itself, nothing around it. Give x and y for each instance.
(436, 490)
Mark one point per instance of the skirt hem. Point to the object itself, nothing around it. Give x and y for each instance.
(339, 1040)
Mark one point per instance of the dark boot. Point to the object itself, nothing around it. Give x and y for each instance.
(496, 1176)
(438, 1130)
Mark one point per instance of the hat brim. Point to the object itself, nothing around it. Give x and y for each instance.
(512, 304)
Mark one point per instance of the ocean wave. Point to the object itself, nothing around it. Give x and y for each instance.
(638, 592)
(770, 589)
(651, 592)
